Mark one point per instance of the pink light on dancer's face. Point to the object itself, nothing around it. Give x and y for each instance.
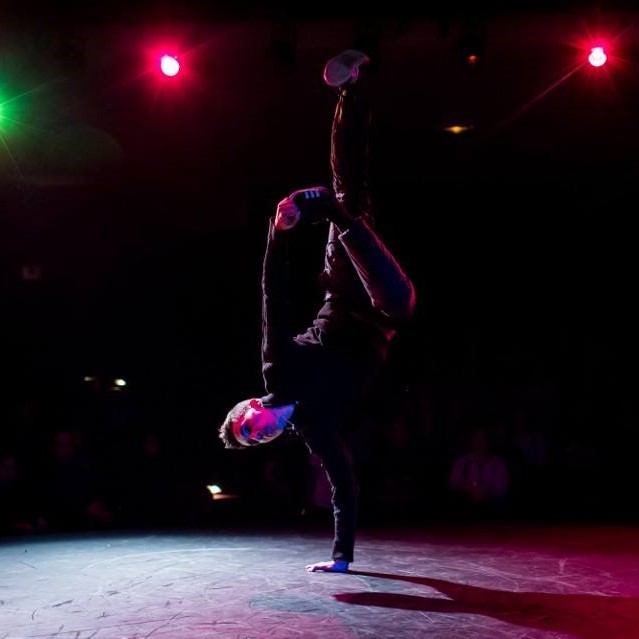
(261, 424)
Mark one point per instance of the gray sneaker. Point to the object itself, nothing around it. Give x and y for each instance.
(344, 68)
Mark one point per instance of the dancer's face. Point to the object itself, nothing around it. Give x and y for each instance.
(261, 424)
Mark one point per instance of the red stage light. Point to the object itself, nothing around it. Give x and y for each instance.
(597, 56)
(169, 65)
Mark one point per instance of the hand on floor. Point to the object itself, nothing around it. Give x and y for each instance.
(329, 566)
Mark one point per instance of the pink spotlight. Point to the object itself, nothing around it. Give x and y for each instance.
(169, 65)
(597, 57)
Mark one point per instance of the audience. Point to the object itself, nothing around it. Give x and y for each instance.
(479, 477)
(17, 510)
(409, 468)
(69, 494)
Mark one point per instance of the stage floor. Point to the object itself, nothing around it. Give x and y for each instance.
(441, 582)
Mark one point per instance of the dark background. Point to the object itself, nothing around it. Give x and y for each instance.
(133, 211)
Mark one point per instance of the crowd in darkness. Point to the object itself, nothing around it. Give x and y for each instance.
(509, 397)
(67, 478)
(425, 452)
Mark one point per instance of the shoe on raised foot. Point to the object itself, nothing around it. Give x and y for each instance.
(344, 68)
(315, 203)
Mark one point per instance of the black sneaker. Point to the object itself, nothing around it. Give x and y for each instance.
(316, 203)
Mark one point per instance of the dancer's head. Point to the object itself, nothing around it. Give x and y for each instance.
(250, 423)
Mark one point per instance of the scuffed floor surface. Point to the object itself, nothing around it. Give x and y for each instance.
(470, 582)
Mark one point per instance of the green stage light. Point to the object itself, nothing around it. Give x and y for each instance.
(7, 114)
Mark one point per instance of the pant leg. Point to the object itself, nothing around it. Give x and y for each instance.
(387, 285)
(385, 282)
(350, 162)
(337, 462)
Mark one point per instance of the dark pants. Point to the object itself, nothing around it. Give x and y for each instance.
(350, 152)
(322, 369)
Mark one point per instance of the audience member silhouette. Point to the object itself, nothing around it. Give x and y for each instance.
(479, 477)
(17, 511)
(70, 494)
